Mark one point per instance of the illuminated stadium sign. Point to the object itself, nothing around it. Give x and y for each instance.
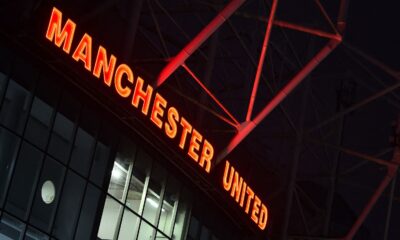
(120, 75)
(245, 196)
(153, 106)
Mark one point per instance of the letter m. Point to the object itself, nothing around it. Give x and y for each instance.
(60, 36)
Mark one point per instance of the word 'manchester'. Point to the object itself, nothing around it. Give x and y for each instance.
(166, 118)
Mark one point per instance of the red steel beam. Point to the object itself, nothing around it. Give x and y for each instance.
(261, 60)
(236, 123)
(391, 172)
(312, 31)
(196, 42)
(247, 127)
(382, 186)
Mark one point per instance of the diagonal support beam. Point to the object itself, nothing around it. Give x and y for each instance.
(247, 127)
(262, 58)
(235, 122)
(371, 203)
(196, 42)
(315, 32)
(391, 173)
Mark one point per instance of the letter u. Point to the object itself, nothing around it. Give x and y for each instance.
(228, 182)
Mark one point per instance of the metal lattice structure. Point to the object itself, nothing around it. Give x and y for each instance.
(276, 82)
(327, 23)
(243, 127)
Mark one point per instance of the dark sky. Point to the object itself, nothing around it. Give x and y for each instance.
(374, 27)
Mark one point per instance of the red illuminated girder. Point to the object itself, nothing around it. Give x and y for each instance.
(246, 127)
(196, 42)
(235, 122)
(249, 126)
(391, 172)
(312, 31)
(261, 60)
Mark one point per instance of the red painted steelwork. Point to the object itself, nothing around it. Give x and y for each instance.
(374, 198)
(391, 172)
(315, 32)
(248, 126)
(196, 42)
(261, 60)
(235, 123)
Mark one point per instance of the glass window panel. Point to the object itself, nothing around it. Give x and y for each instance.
(123, 163)
(15, 107)
(84, 146)
(88, 214)
(129, 223)
(10, 228)
(33, 234)
(182, 217)
(104, 150)
(156, 185)
(108, 228)
(24, 181)
(68, 209)
(100, 161)
(82, 152)
(39, 122)
(63, 130)
(8, 152)
(141, 169)
(38, 128)
(61, 137)
(118, 179)
(43, 213)
(169, 206)
(146, 231)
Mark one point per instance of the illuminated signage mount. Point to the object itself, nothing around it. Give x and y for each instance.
(165, 117)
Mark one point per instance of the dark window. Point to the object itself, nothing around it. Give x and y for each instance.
(63, 130)
(88, 214)
(104, 147)
(8, 151)
(24, 181)
(38, 126)
(41, 115)
(42, 212)
(68, 209)
(15, 107)
(84, 145)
